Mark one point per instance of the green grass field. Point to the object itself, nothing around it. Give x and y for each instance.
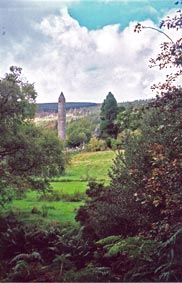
(69, 189)
(89, 165)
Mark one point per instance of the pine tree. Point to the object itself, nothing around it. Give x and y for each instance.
(109, 109)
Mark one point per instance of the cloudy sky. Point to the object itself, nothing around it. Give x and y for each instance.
(84, 48)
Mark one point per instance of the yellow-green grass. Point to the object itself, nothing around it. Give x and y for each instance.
(89, 165)
(84, 167)
(69, 187)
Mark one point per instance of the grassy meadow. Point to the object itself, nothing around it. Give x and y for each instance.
(89, 165)
(68, 191)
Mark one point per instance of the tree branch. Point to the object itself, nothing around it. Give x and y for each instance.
(160, 32)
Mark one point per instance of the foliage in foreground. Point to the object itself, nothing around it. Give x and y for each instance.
(56, 254)
(31, 253)
(144, 200)
(28, 155)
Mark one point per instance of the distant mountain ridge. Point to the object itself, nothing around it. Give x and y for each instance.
(53, 107)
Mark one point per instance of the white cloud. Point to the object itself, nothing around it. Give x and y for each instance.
(85, 64)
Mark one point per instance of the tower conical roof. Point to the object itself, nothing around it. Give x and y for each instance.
(61, 97)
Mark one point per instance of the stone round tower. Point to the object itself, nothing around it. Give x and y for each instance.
(61, 117)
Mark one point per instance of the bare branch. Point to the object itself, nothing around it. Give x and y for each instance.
(160, 32)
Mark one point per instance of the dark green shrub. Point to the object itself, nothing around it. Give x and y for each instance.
(90, 273)
(100, 215)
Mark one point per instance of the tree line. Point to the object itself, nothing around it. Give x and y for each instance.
(53, 107)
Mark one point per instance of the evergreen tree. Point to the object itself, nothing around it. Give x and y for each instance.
(109, 109)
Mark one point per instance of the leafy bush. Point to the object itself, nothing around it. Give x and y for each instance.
(100, 214)
(79, 132)
(135, 247)
(96, 145)
(31, 253)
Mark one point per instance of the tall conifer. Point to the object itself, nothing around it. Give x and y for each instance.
(108, 115)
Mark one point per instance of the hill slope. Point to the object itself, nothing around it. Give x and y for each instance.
(53, 107)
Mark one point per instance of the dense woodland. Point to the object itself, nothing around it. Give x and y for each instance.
(128, 230)
(53, 107)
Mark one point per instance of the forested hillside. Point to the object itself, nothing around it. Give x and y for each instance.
(53, 107)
